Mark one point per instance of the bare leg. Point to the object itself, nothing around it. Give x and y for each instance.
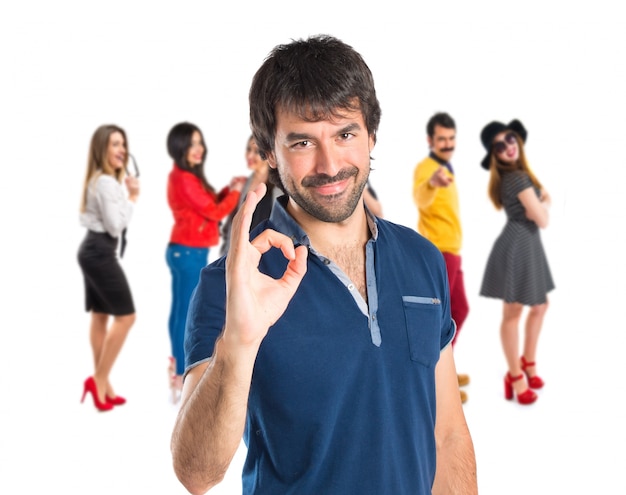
(509, 335)
(111, 348)
(534, 322)
(97, 334)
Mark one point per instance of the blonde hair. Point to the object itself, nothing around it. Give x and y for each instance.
(97, 162)
(498, 167)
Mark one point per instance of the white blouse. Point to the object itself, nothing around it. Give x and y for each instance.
(108, 208)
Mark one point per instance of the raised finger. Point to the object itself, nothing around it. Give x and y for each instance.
(243, 218)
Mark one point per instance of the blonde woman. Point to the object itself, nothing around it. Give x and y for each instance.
(106, 210)
(517, 268)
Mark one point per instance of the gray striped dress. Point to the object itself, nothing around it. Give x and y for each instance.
(517, 268)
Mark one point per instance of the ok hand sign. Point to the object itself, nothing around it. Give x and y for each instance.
(255, 301)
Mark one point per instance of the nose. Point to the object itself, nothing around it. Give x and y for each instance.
(328, 160)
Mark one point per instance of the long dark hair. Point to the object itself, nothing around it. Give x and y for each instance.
(178, 144)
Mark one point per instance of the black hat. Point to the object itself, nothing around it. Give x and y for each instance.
(494, 128)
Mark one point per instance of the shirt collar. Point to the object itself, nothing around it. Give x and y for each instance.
(448, 165)
(286, 224)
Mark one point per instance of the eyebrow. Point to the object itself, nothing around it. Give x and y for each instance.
(298, 136)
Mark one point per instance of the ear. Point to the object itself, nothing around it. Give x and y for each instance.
(430, 141)
(372, 142)
(271, 159)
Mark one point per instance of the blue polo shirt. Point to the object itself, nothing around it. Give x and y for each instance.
(342, 399)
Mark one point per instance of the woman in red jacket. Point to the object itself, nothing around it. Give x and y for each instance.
(197, 209)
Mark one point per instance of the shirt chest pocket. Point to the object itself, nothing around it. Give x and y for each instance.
(423, 322)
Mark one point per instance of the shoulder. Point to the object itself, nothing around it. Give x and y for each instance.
(106, 179)
(105, 182)
(405, 239)
(517, 180)
(427, 162)
(180, 175)
(212, 280)
(426, 166)
(410, 259)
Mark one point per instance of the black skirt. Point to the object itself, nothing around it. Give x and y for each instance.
(106, 288)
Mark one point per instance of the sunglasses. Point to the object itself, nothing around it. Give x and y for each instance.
(134, 166)
(501, 146)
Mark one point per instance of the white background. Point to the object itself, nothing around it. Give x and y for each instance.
(69, 66)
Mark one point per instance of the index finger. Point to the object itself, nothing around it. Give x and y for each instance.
(243, 219)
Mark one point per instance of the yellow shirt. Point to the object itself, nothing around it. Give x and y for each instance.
(438, 209)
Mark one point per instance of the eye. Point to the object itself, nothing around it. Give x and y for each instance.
(301, 144)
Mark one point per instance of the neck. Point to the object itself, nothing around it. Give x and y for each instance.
(326, 237)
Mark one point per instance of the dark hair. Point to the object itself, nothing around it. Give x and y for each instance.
(316, 79)
(442, 119)
(178, 144)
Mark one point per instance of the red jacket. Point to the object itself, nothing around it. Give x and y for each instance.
(197, 212)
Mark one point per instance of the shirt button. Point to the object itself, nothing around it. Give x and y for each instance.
(350, 286)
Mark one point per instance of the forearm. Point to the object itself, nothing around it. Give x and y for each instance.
(456, 467)
(210, 423)
(534, 208)
(545, 198)
(423, 193)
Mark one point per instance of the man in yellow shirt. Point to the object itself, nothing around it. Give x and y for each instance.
(436, 197)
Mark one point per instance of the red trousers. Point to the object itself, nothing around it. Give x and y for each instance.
(459, 306)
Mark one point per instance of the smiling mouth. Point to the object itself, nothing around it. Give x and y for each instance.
(332, 188)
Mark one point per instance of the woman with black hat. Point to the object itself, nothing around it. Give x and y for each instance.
(517, 268)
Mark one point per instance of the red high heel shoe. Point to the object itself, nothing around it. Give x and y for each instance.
(533, 381)
(90, 386)
(118, 400)
(525, 398)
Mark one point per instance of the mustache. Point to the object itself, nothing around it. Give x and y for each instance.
(445, 150)
(323, 179)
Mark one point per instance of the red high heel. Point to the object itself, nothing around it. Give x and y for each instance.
(525, 398)
(118, 400)
(533, 381)
(90, 386)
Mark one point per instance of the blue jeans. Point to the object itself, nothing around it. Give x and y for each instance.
(185, 264)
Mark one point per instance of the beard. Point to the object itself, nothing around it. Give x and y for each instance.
(333, 208)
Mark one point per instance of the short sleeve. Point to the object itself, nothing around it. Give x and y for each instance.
(517, 182)
(206, 314)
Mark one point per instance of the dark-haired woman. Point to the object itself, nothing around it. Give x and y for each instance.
(106, 210)
(197, 209)
(517, 269)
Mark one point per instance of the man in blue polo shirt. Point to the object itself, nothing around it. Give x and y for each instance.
(324, 336)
